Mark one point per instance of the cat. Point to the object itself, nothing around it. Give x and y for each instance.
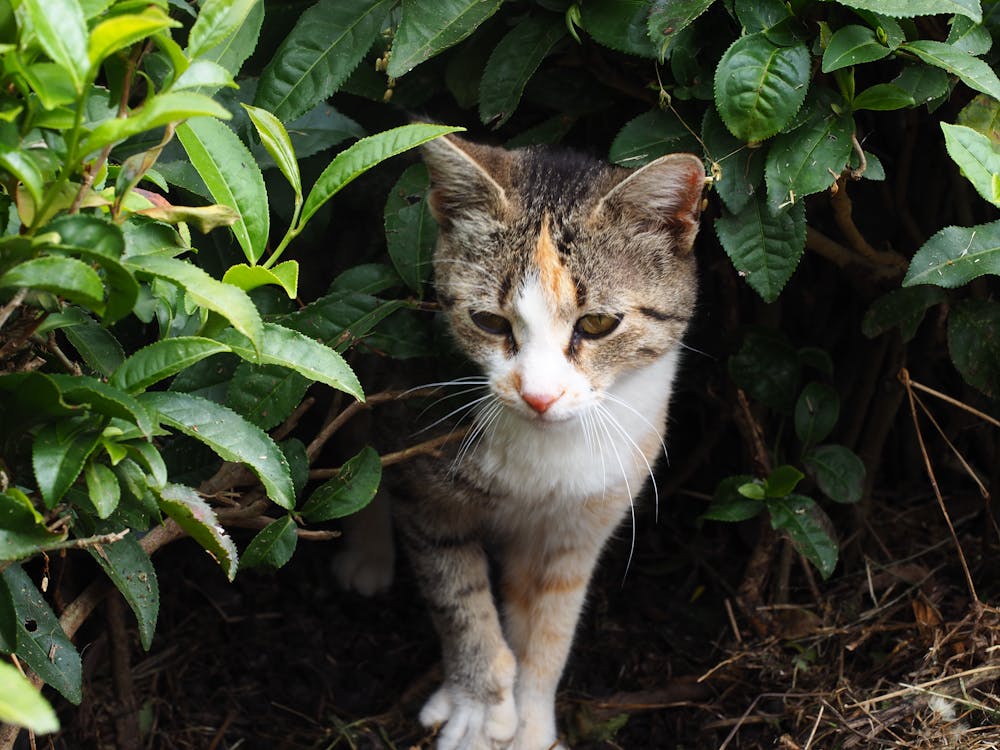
(570, 283)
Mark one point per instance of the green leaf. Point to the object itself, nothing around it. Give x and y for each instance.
(513, 61)
(982, 114)
(767, 367)
(98, 347)
(742, 167)
(668, 17)
(977, 156)
(808, 159)
(232, 177)
(128, 566)
(67, 277)
(197, 518)
(275, 139)
(230, 436)
(781, 481)
(234, 50)
(852, 45)
(273, 546)
(342, 318)
(649, 136)
(764, 245)
(816, 412)
(410, 229)
(265, 395)
(838, 472)
(972, 71)
(81, 390)
(285, 275)
(217, 20)
(124, 30)
(349, 491)
(903, 308)
(969, 36)
(759, 86)
(58, 455)
(41, 642)
(956, 255)
(203, 75)
(22, 705)
(22, 529)
(362, 156)
(620, 25)
(729, 505)
(883, 97)
(426, 29)
(809, 529)
(102, 488)
(327, 43)
(296, 351)
(752, 490)
(156, 111)
(974, 343)
(61, 30)
(25, 170)
(227, 300)
(924, 83)
(913, 8)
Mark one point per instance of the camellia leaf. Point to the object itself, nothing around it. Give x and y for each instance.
(512, 63)
(668, 17)
(816, 412)
(204, 218)
(125, 30)
(365, 154)
(982, 114)
(161, 360)
(227, 300)
(410, 229)
(265, 395)
(913, 8)
(742, 166)
(852, 45)
(838, 472)
(764, 245)
(956, 255)
(426, 29)
(234, 50)
(275, 139)
(969, 36)
(903, 308)
(217, 20)
(102, 488)
(197, 518)
(767, 367)
(883, 96)
(203, 75)
(67, 277)
(759, 86)
(974, 343)
(326, 45)
(58, 455)
(229, 435)
(22, 705)
(925, 83)
(232, 177)
(977, 156)
(620, 25)
(285, 275)
(809, 528)
(349, 491)
(972, 71)
(649, 136)
(102, 398)
(61, 29)
(22, 529)
(273, 546)
(44, 647)
(808, 159)
(729, 505)
(128, 566)
(781, 481)
(296, 351)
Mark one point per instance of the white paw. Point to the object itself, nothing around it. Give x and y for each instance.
(469, 723)
(368, 572)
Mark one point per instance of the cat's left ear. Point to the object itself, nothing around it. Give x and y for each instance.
(663, 196)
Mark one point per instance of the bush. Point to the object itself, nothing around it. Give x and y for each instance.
(141, 376)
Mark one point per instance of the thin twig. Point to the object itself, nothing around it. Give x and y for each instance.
(428, 447)
(10, 307)
(953, 401)
(961, 459)
(910, 689)
(69, 364)
(286, 427)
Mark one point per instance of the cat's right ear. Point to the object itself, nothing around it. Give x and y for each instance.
(466, 177)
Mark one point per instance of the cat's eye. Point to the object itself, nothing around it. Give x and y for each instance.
(491, 323)
(596, 325)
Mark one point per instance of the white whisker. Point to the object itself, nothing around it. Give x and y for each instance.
(459, 410)
(601, 422)
(628, 438)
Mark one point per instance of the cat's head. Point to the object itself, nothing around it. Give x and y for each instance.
(558, 273)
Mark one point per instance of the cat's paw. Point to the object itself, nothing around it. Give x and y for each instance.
(470, 721)
(367, 571)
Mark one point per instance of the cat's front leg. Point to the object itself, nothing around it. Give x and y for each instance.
(474, 708)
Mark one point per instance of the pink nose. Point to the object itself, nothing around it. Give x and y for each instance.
(540, 402)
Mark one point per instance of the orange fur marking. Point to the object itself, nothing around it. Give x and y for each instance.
(554, 278)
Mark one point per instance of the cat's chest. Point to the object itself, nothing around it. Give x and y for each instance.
(610, 449)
